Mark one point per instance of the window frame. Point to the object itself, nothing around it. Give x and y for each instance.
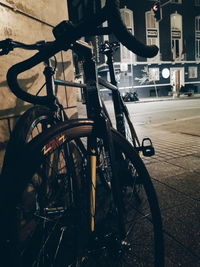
(152, 33)
(177, 46)
(192, 72)
(154, 74)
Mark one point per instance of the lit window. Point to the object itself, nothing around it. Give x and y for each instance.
(192, 72)
(177, 49)
(154, 74)
(152, 32)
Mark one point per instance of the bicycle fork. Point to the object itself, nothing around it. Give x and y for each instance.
(92, 164)
(95, 113)
(115, 182)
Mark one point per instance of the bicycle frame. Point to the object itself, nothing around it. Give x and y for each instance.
(120, 109)
(95, 112)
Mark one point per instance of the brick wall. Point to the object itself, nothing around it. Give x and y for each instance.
(30, 21)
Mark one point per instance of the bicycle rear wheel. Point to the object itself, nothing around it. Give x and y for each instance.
(49, 205)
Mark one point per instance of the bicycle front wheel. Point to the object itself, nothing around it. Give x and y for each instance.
(49, 206)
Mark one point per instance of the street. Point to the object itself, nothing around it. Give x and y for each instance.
(175, 116)
(178, 116)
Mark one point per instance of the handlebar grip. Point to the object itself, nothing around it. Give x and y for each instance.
(5, 46)
(123, 35)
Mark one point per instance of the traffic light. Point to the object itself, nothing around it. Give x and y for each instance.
(157, 11)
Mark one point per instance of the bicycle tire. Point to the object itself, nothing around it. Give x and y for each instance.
(30, 124)
(101, 250)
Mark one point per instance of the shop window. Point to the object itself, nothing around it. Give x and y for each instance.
(177, 49)
(192, 72)
(152, 32)
(154, 74)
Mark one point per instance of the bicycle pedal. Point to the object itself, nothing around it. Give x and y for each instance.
(147, 147)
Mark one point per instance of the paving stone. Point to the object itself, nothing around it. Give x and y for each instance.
(176, 167)
(181, 219)
(163, 169)
(188, 163)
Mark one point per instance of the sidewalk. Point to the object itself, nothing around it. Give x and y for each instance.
(175, 171)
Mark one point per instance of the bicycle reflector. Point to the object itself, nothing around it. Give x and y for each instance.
(157, 11)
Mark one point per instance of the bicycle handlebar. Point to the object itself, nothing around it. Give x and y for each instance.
(66, 34)
(124, 36)
(8, 45)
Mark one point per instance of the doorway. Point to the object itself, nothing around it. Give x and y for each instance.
(177, 79)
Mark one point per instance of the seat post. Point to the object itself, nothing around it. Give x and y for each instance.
(48, 73)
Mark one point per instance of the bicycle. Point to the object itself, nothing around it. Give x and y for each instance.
(52, 203)
(40, 117)
(123, 122)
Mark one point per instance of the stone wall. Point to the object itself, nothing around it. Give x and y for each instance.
(30, 21)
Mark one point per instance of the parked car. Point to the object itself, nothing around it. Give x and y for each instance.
(185, 90)
(130, 96)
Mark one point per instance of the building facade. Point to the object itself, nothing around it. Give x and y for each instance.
(29, 22)
(176, 68)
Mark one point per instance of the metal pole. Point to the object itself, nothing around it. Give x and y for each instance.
(155, 88)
